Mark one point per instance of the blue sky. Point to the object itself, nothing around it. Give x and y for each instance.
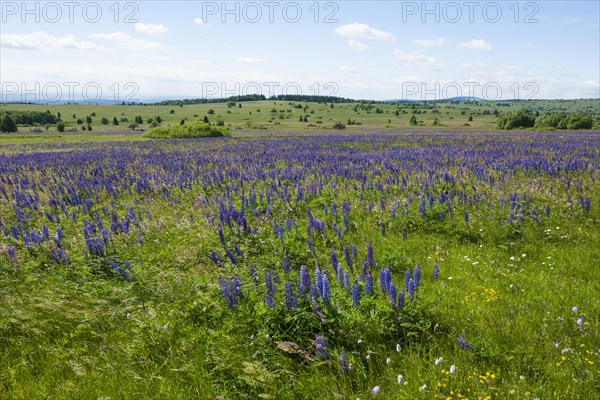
(372, 50)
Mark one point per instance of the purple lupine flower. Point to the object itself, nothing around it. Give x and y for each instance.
(534, 215)
(392, 294)
(238, 251)
(462, 343)
(287, 267)
(466, 217)
(304, 281)
(346, 281)
(370, 258)
(547, 210)
(343, 362)
(401, 299)
(221, 236)
(365, 268)
(348, 257)
(236, 287)
(290, 300)
(269, 302)
(319, 280)
(588, 204)
(11, 253)
(580, 320)
(313, 293)
(310, 246)
(356, 293)
(369, 283)
(326, 291)
(334, 260)
(340, 275)
(231, 256)
(227, 295)
(436, 271)
(417, 275)
(411, 289)
(407, 276)
(269, 283)
(354, 252)
(321, 347)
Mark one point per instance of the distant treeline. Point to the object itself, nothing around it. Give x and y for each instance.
(185, 102)
(312, 98)
(259, 97)
(524, 119)
(31, 117)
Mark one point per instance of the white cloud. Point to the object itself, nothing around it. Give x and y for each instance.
(441, 41)
(357, 46)
(346, 69)
(469, 65)
(363, 31)
(151, 29)
(476, 45)
(251, 60)
(416, 56)
(198, 21)
(140, 56)
(42, 40)
(128, 42)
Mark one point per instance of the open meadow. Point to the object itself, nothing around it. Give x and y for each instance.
(300, 264)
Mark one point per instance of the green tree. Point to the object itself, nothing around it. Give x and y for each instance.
(7, 124)
(470, 118)
(413, 120)
(104, 121)
(89, 127)
(133, 125)
(210, 111)
(515, 120)
(205, 120)
(60, 127)
(115, 121)
(88, 120)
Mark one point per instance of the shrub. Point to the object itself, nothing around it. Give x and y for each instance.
(339, 124)
(564, 121)
(7, 124)
(515, 120)
(195, 130)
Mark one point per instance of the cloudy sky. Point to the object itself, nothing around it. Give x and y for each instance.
(373, 50)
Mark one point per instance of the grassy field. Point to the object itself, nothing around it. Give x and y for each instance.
(134, 268)
(284, 116)
(256, 115)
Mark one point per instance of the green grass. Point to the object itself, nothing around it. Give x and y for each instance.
(77, 332)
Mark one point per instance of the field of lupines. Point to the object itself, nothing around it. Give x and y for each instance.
(396, 266)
